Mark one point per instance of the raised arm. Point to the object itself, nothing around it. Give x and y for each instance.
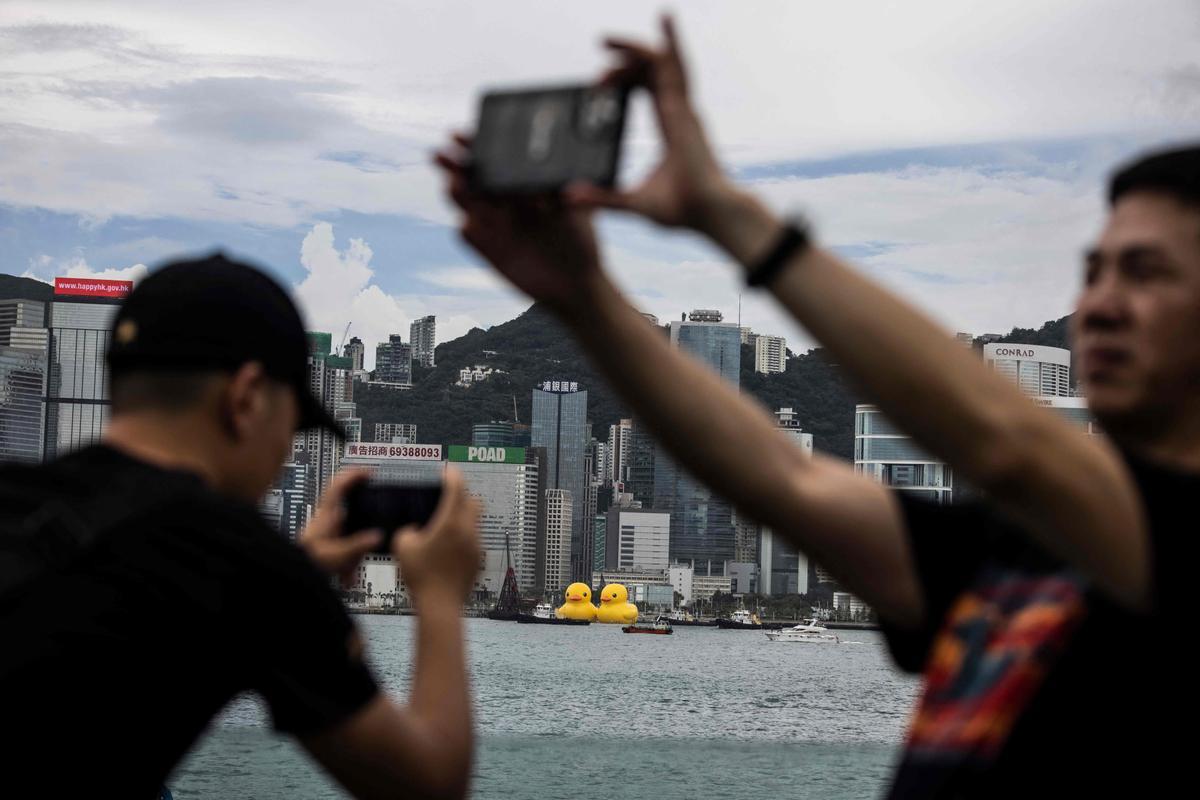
(1074, 494)
(421, 749)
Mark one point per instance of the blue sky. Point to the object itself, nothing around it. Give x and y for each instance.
(956, 151)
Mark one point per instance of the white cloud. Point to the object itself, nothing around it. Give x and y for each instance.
(108, 123)
(979, 251)
(339, 289)
(45, 268)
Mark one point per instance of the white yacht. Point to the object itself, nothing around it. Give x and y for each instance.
(812, 631)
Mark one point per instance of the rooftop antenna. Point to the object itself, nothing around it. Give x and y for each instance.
(739, 309)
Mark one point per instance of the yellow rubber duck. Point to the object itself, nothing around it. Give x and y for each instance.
(615, 606)
(579, 603)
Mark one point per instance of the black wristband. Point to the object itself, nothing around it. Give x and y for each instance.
(793, 241)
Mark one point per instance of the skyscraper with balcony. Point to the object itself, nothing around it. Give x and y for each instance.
(770, 354)
(560, 426)
(422, 334)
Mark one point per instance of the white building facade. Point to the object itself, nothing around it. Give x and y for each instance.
(770, 354)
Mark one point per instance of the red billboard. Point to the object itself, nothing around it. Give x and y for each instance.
(91, 287)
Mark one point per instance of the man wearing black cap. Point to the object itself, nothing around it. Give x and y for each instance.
(140, 591)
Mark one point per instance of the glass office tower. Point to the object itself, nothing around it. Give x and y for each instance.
(560, 426)
(702, 527)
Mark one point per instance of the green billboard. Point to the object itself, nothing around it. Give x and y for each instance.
(486, 455)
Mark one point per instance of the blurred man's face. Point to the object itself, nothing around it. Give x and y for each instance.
(270, 444)
(1137, 324)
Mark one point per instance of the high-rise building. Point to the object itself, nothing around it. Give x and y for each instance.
(888, 455)
(782, 568)
(637, 539)
(395, 432)
(77, 401)
(285, 505)
(560, 426)
(393, 361)
(23, 324)
(557, 550)
(423, 336)
(493, 434)
(22, 410)
(505, 479)
(1038, 370)
(702, 531)
(355, 350)
(24, 345)
(770, 354)
(620, 441)
(639, 466)
(331, 381)
(1074, 410)
(599, 534)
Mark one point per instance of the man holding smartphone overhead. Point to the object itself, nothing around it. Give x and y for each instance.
(140, 590)
(1042, 618)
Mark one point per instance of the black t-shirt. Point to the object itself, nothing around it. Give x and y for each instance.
(115, 657)
(1036, 684)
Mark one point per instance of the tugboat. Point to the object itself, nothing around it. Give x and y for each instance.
(544, 615)
(741, 620)
(682, 619)
(662, 625)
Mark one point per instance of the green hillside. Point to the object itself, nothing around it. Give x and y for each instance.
(535, 347)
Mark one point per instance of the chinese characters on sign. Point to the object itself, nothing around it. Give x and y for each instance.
(560, 386)
(408, 452)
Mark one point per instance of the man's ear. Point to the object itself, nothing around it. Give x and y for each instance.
(245, 401)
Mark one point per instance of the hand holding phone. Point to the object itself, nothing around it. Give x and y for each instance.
(388, 508)
(540, 140)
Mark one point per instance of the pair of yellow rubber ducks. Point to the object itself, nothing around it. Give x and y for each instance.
(614, 604)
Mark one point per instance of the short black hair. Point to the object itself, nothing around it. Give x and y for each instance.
(159, 390)
(1175, 173)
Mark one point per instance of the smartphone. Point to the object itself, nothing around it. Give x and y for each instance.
(389, 507)
(539, 140)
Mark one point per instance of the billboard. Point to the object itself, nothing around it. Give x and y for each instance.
(91, 287)
(394, 452)
(487, 455)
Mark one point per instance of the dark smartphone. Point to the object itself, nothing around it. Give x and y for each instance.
(389, 507)
(539, 140)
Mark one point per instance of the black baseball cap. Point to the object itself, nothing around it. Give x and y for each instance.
(215, 314)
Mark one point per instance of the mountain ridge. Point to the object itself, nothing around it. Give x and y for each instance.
(535, 346)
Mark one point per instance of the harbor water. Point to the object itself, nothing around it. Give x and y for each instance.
(590, 711)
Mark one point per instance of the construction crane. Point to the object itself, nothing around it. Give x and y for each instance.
(516, 416)
(341, 351)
